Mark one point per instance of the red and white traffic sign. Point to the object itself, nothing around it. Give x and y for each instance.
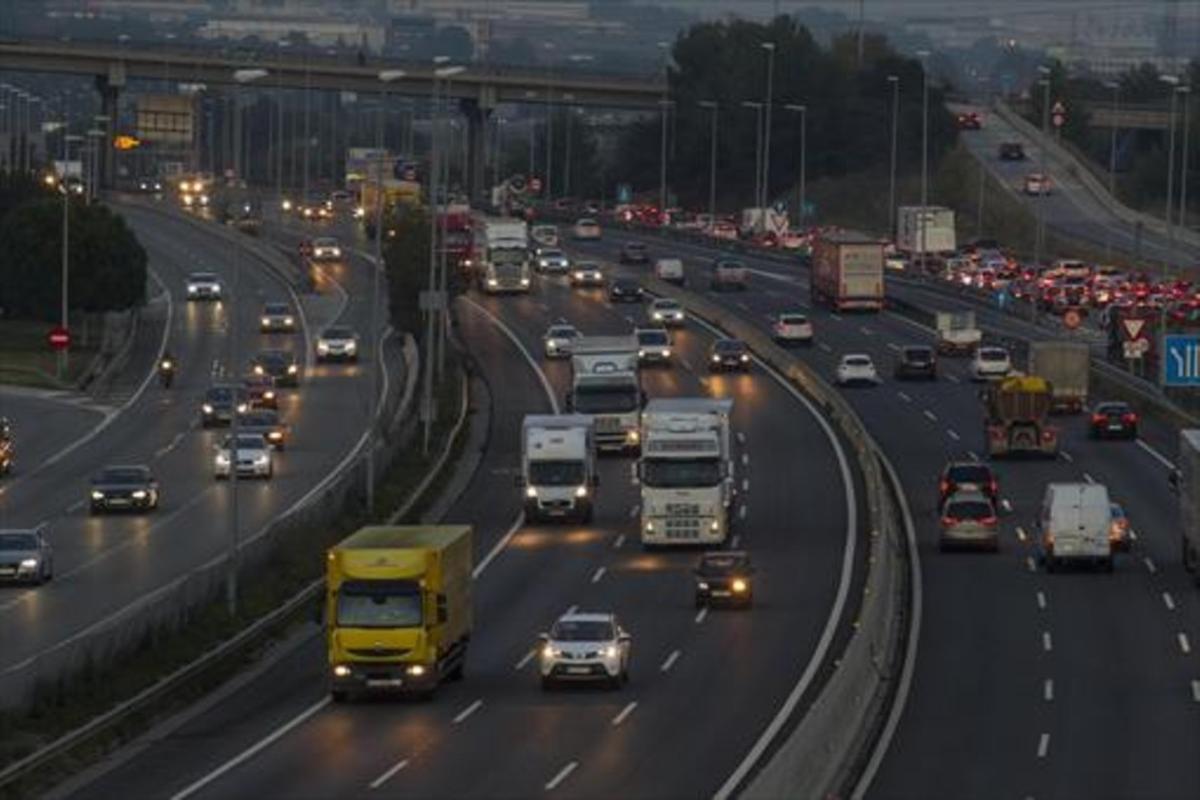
(535, 185)
(59, 338)
(1072, 319)
(1058, 114)
(1133, 328)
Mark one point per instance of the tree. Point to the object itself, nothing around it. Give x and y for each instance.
(407, 262)
(107, 265)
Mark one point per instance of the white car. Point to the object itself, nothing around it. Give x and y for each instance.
(545, 235)
(856, 368)
(654, 345)
(559, 340)
(667, 312)
(277, 318)
(792, 328)
(585, 647)
(552, 262)
(990, 363)
(337, 343)
(586, 228)
(203, 286)
(587, 273)
(1037, 184)
(326, 248)
(253, 457)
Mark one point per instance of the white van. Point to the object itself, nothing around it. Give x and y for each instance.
(669, 270)
(1074, 524)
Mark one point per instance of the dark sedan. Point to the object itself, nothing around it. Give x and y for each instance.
(634, 253)
(280, 365)
(1113, 420)
(728, 354)
(267, 423)
(217, 407)
(916, 362)
(623, 290)
(260, 391)
(129, 488)
(724, 577)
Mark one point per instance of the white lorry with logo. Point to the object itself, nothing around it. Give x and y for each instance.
(558, 467)
(686, 471)
(605, 386)
(500, 254)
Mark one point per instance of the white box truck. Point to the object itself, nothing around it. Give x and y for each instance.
(1188, 484)
(1066, 366)
(1074, 524)
(938, 223)
(558, 467)
(957, 333)
(686, 471)
(500, 254)
(605, 386)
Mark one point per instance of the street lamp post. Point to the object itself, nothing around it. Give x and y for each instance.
(1183, 159)
(1173, 81)
(712, 165)
(758, 111)
(567, 144)
(924, 55)
(665, 105)
(766, 165)
(894, 80)
(802, 110)
(1040, 236)
(64, 317)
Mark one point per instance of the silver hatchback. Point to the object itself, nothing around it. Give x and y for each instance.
(969, 520)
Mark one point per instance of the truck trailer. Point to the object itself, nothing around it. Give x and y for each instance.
(926, 229)
(847, 271)
(1066, 366)
(398, 609)
(1016, 418)
(1188, 484)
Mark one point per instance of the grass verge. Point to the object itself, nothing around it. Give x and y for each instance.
(296, 561)
(27, 360)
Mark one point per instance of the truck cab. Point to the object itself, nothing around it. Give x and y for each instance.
(605, 386)
(686, 471)
(558, 467)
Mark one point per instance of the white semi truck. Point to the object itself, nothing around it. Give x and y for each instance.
(558, 467)
(686, 471)
(605, 386)
(500, 254)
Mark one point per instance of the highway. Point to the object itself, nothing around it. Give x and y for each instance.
(104, 565)
(1027, 684)
(497, 733)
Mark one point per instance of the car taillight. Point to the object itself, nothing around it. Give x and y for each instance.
(948, 521)
(1098, 418)
(994, 487)
(1129, 417)
(988, 520)
(1047, 436)
(945, 487)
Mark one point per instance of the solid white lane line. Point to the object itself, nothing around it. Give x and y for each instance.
(385, 777)
(1067, 457)
(598, 574)
(1087, 477)
(1043, 745)
(468, 711)
(78, 504)
(1007, 506)
(1168, 601)
(619, 542)
(893, 347)
(824, 347)
(929, 415)
(625, 712)
(953, 434)
(971, 454)
(1196, 691)
(741, 437)
(1021, 535)
(1184, 644)
(252, 751)
(1150, 565)
(670, 661)
(553, 783)
(864, 330)
(745, 459)
(1157, 456)
(1041, 600)
(904, 397)
(1048, 690)
(1047, 642)
(745, 484)
(735, 541)
(701, 614)
(525, 659)
(529, 359)
(499, 546)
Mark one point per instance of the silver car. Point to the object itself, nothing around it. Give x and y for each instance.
(552, 262)
(559, 340)
(585, 647)
(337, 343)
(253, 457)
(969, 520)
(25, 556)
(203, 286)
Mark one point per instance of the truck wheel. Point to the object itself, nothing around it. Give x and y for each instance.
(339, 695)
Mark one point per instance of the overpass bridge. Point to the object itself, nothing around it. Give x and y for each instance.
(479, 89)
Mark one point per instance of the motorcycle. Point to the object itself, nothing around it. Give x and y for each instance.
(166, 372)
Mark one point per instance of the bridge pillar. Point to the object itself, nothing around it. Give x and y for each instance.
(476, 112)
(109, 86)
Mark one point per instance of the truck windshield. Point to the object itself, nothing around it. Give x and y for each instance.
(360, 607)
(667, 473)
(555, 473)
(510, 255)
(605, 399)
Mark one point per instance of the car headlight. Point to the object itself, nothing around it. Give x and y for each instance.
(649, 527)
(266, 321)
(203, 199)
(716, 358)
(29, 563)
(609, 652)
(543, 263)
(222, 459)
(97, 495)
(140, 494)
(289, 321)
(291, 369)
(258, 369)
(336, 252)
(524, 281)
(275, 436)
(549, 651)
(739, 586)
(531, 492)
(268, 395)
(415, 670)
(360, 212)
(658, 315)
(581, 491)
(714, 526)
(745, 358)
(261, 460)
(492, 282)
(243, 408)
(192, 289)
(702, 586)
(351, 346)
(207, 408)
(633, 437)
(322, 347)
(341, 671)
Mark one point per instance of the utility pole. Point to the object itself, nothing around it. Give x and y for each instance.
(766, 167)
(894, 80)
(712, 165)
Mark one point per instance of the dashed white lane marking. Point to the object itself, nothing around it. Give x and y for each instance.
(745, 459)
(162, 451)
(572, 610)
(971, 454)
(624, 715)
(1048, 690)
(864, 330)
(1150, 565)
(1133, 537)
(1087, 477)
(745, 484)
(824, 347)
(838, 317)
(1184, 644)
(893, 347)
(553, 783)
(742, 512)
(1196, 691)
(701, 614)
(1168, 601)
(1007, 506)
(1030, 564)
(929, 415)
(1043, 745)
(670, 661)
(735, 541)
(1157, 456)
(633, 511)
(1047, 642)
(78, 504)
(741, 437)
(1021, 535)
(1041, 600)
(953, 434)
(525, 659)
(904, 397)
(1067, 457)
(468, 711)
(598, 574)
(619, 542)
(953, 378)
(387, 776)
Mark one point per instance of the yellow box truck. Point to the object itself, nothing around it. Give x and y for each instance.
(398, 608)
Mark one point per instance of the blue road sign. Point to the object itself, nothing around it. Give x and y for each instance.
(624, 193)
(1003, 298)
(1181, 362)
